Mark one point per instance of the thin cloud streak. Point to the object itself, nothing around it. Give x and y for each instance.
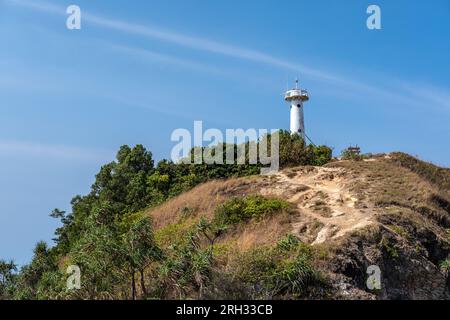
(428, 94)
(197, 43)
(59, 152)
(363, 89)
(203, 45)
(154, 56)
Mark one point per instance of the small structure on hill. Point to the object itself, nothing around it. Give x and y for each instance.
(352, 153)
(355, 151)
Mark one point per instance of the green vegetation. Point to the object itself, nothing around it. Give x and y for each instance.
(7, 279)
(322, 155)
(187, 265)
(288, 243)
(348, 154)
(174, 233)
(295, 152)
(399, 230)
(110, 238)
(390, 249)
(445, 266)
(243, 209)
(283, 271)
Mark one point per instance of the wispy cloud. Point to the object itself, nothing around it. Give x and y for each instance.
(425, 93)
(203, 44)
(187, 41)
(388, 92)
(153, 56)
(50, 151)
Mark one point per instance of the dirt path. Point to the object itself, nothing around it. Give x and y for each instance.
(322, 195)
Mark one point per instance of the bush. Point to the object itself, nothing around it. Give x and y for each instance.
(288, 243)
(187, 265)
(295, 152)
(322, 155)
(390, 249)
(347, 154)
(445, 266)
(243, 209)
(295, 277)
(274, 273)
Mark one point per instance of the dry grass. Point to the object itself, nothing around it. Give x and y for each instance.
(373, 195)
(350, 214)
(438, 176)
(200, 201)
(259, 233)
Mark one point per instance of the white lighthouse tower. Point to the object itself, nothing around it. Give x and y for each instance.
(296, 97)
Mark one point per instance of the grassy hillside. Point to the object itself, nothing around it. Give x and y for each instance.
(337, 220)
(212, 232)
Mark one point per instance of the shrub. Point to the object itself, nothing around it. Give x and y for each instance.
(322, 155)
(187, 265)
(272, 273)
(295, 152)
(174, 234)
(390, 249)
(243, 209)
(445, 266)
(348, 154)
(296, 277)
(288, 243)
(400, 231)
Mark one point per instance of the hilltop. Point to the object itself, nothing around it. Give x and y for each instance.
(390, 210)
(317, 229)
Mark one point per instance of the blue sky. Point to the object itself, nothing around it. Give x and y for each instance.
(137, 70)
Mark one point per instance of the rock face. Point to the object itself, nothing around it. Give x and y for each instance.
(406, 274)
(392, 212)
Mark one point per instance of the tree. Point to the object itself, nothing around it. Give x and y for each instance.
(99, 254)
(28, 284)
(123, 182)
(141, 250)
(188, 264)
(106, 235)
(119, 187)
(7, 279)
